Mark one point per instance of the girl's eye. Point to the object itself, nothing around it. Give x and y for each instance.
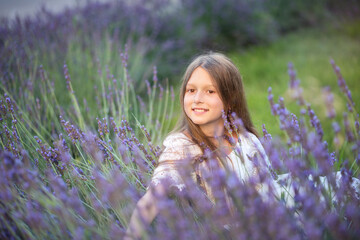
(211, 91)
(190, 90)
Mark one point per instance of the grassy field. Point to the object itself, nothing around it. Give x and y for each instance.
(310, 52)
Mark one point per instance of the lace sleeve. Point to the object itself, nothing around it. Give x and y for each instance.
(178, 151)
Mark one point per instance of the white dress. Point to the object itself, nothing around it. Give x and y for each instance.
(179, 151)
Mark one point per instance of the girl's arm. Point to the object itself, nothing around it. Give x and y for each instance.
(145, 211)
(165, 176)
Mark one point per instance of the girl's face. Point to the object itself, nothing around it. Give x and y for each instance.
(202, 102)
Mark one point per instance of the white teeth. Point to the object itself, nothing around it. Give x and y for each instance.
(199, 110)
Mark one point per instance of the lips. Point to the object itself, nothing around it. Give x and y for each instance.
(200, 110)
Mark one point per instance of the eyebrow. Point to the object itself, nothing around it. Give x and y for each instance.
(209, 85)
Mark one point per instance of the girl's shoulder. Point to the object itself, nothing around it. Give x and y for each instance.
(249, 139)
(249, 143)
(181, 145)
(177, 139)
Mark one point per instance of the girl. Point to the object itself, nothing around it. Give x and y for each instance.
(212, 94)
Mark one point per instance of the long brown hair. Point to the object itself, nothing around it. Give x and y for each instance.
(229, 84)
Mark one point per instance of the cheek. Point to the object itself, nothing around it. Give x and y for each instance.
(217, 103)
(187, 101)
(187, 105)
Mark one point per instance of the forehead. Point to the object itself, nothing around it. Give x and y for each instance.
(201, 76)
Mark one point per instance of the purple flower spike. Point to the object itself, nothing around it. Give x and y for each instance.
(226, 121)
(294, 85)
(100, 128)
(67, 78)
(336, 129)
(9, 104)
(267, 136)
(315, 122)
(329, 102)
(292, 74)
(274, 107)
(125, 57)
(105, 126)
(42, 73)
(155, 77)
(343, 86)
(357, 124)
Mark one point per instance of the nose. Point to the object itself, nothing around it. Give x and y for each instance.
(198, 97)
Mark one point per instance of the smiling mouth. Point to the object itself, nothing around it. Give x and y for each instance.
(200, 110)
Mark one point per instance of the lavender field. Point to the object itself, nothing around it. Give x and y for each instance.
(89, 94)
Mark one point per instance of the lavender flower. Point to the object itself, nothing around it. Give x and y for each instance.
(336, 129)
(73, 133)
(227, 124)
(155, 78)
(267, 136)
(274, 107)
(125, 57)
(294, 85)
(329, 102)
(9, 104)
(343, 86)
(68, 79)
(315, 122)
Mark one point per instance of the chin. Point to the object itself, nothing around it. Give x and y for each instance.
(198, 122)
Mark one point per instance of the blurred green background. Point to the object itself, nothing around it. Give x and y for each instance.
(310, 50)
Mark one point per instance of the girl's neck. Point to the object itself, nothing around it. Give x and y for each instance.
(225, 139)
(213, 132)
